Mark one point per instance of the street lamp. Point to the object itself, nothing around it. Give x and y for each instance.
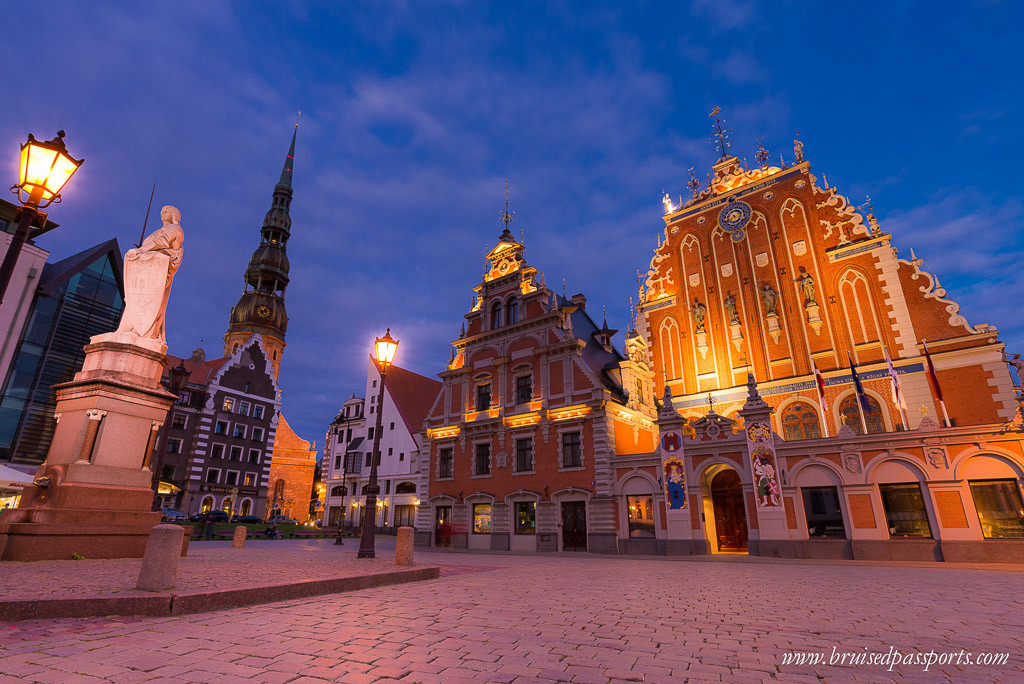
(386, 348)
(177, 377)
(44, 169)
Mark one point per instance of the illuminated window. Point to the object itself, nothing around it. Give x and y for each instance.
(850, 408)
(250, 479)
(526, 517)
(512, 311)
(482, 518)
(999, 506)
(641, 516)
(405, 488)
(800, 421)
(905, 514)
(207, 504)
(524, 389)
(229, 404)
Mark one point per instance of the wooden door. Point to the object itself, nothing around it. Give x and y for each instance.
(574, 526)
(730, 512)
(443, 526)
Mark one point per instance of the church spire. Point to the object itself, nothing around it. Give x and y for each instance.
(261, 308)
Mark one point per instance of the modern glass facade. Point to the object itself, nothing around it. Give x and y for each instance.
(77, 298)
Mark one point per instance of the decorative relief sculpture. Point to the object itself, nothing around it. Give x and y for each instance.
(699, 312)
(730, 308)
(148, 274)
(1017, 364)
(770, 299)
(806, 284)
(798, 149)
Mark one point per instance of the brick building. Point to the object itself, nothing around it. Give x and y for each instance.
(534, 405)
(292, 468)
(767, 275)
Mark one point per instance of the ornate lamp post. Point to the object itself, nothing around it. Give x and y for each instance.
(386, 348)
(177, 377)
(44, 169)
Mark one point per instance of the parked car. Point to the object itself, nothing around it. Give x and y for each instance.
(216, 517)
(197, 517)
(281, 520)
(172, 515)
(246, 519)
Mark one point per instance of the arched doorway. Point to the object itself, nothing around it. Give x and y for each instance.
(730, 513)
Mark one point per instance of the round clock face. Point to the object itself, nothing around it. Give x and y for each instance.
(263, 311)
(734, 218)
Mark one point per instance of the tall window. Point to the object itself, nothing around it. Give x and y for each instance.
(217, 451)
(904, 510)
(243, 408)
(512, 311)
(860, 314)
(206, 505)
(524, 454)
(572, 450)
(174, 446)
(640, 511)
(236, 453)
(483, 459)
(800, 421)
(824, 518)
(257, 411)
(526, 517)
(444, 463)
(221, 428)
(229, 404)
(482, 518)
(213, 475)
(999, 506)
(668, 338)
(524, 389)
(850, 408)
(496, 315)
(239, 431)
(254, 455)
(483, 397)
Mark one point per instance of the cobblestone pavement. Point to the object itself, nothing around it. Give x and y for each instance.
(588, 619)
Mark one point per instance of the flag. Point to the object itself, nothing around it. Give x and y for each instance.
(861, 396)
(820, 382)
(897, 392)
(932, 377)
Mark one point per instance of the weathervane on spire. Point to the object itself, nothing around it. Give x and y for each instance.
(721, 138)
(761, 156)
(506, 215)
(798, 148)
(693, 184)
(872, 221)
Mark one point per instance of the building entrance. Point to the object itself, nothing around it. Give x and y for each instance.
(443, 526)
(574, 526)
(730, 513)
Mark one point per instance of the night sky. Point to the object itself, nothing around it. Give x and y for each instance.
(413, 115)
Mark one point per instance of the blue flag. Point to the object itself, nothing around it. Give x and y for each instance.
(861, 396)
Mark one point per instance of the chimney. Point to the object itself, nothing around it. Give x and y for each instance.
(579, 300)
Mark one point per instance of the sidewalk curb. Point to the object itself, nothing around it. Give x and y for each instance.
(180, 603)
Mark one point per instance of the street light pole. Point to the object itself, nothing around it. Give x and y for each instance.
(386, 348)
(338, 541)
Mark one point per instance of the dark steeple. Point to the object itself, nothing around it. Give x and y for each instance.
(261, 308)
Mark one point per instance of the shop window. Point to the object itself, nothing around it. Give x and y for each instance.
(641, 516)
(850, 409)
(405, 488)
(572, 450)
(483, 397)
(482, 518)
(905, 514)
(444, 463)
(524, 389)
(207, 505)
(483, 459)
(526, 517)
(999, 506)
(246, 507)
(404, 515)
(800, 421)
(824, 517)
(227, 504)
(524, 454)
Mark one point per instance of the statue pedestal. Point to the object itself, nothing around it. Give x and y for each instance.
(98, 500)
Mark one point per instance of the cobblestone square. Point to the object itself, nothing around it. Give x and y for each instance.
(585, 618)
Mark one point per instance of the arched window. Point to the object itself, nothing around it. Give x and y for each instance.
(405, 488)
(668, 337)
(512, 311)
(860, 314)
(800, 421)
(207, 504)
(338, 491)
(850, 410)
(496, 315)
(246, 507)
(226, 504)
(279, 490)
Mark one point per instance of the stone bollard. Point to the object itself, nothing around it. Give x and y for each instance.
(403, 549)
(160, 564)
(238, 541)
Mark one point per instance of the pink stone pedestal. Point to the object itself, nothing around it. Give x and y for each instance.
(98, 502)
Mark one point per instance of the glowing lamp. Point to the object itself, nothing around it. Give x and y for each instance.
(44, 170)
(386, 348)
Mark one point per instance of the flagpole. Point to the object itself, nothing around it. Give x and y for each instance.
(897, 392)
(934, 377)
(819, 382)
(860, 408)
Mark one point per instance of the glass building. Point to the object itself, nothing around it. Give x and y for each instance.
(78, 297)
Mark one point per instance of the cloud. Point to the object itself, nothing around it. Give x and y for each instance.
(725, 14)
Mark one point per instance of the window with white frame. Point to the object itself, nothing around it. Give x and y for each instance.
(572, 450)
(239, 431)
(231, 477)
(445, 462)
(524, 454)
(482, 459)
(243, 408)
(236, 453)
(254, 455)
(217, 451)
(213, 475)
(257, 411)
(229, 404)
(257, 434)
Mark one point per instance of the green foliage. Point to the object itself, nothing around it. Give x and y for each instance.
(77, 556)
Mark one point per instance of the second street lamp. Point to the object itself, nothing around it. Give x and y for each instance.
(386, 348)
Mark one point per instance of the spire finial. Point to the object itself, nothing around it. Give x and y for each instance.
(506, 215)
(286, 172)
(604, 311)
(693, 184)
(761, 156)
(721, 135)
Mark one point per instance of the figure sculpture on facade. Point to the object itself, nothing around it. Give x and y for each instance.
(769, 298)
(730, 308)
(699, 312)
(148, 274)
(1017, 363)
(806, 283)
(798, 149)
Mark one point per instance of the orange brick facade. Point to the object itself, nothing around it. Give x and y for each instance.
(292, 468)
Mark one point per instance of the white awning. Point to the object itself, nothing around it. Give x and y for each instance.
(13, 479)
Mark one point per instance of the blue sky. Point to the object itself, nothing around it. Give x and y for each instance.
(413, 114)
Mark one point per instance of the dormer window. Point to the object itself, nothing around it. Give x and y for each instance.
(512, 311)
(496, 315)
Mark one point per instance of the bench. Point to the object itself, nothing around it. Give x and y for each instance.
(306, 533)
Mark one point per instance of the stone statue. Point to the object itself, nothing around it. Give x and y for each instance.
(730, 308)
(798, 150)
(699, 312)
(148, 274)
(769, 298)
(1016, 363)
(806, 286)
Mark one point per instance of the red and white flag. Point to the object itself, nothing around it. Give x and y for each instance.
(819, 382)
(897, 391)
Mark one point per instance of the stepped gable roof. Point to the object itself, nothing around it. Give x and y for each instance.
(412, 393)
(199, 373)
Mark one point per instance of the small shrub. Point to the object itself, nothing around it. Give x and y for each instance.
(77, 556)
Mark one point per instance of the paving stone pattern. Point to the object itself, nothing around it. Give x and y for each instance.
(582, 619)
